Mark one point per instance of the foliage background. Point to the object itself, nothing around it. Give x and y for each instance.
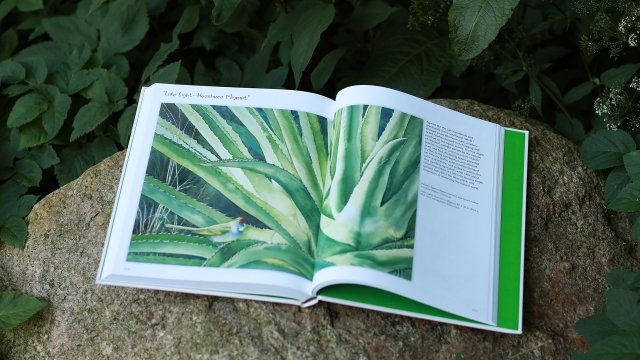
(70, 73)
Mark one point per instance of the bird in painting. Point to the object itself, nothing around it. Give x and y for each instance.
(220, 234)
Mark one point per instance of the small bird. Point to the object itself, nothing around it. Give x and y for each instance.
(220, 234)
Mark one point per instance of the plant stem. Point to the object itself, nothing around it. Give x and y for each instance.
(528, 350)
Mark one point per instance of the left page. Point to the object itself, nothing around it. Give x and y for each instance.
(220, 192)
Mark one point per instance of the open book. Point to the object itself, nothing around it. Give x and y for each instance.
(378, 199)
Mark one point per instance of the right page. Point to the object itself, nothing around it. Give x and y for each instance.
(442, 248)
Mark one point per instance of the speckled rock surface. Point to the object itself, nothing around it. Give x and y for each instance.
(572, 241)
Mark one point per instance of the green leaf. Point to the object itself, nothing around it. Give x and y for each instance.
(10, 191)
(16, 307)
(125, 124)
(53, 118)
(256, 68)
(94, 5)
(536, 93)
(44, 155)
(616, 181)
(323, 71)
(88, 117)
(620, 278)
(408, 61)
(11, 72)
(33, 134)
(30, 5)
(606, 149)
(16, 89)
(28, 173)
(223, 10)
(571, 129)
(26, 109)
(628, 200)
(102, 148)
(368, 14)
(636, 229)
(114, 87)
(632, 164)
(158, 59)
(231, 73)
(578, 92)
(52, 52)
(36, 70)
(473, 24)
(6, 6)
(275, 78)
(72, 30)
(188, 21)
(622, 346)
(596, 327)
(13, 232)
(622, 74)
(306, 35)
(118, 64)
(124, 26)
(17, 208)
(167, 75)
(623, 309)
(74, 160)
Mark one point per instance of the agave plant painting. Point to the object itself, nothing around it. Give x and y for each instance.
(273, 189)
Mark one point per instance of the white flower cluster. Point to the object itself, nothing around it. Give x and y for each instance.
(635, 83)
(629, 27)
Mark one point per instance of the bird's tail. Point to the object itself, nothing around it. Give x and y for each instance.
(171, 226)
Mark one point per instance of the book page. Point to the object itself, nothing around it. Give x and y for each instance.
(438, 245)
(221, 192)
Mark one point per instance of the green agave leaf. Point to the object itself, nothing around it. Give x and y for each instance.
(606, 148)
(166, 260)
(298, 154)
(294, 187)
(406, 243)
(396, 213)
(228, 144)
(395, 129)
(264, 212)
(347, 158)
(182, 205)
(297, 259)
(473, 24)
(358, 224)
(314, 142)
(228, 251)
(273, 149)
(369, 132)
(172, 244)
(408, 160)
(383, 260)
(177, 136)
